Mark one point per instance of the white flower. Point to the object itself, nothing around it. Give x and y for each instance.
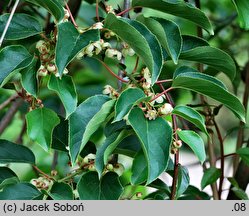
(177, 144)
(107, 90)
(151, 114)
(146, 85)
(67, 15)
(42, 47)
(57, 74)
(90, 157)
(98, 25)
(80, 55)
(109, 9)
(110, 53)
(166, 109)
(42, 72)
(118, 55)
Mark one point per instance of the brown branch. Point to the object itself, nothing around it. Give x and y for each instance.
(9, 115)
(8, 101)
(19, 139)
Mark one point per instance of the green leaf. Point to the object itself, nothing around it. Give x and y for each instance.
(21, 26)
(183, 181)
(240, 193)
(242, 7)
(52, 6)
(126, 100)
(60, 136)
(61, 191)
(160, 185)
(107, 188)
(191, 115)
(179, 9)
(20, 58)
(193, 193)
(190, 42)
(155, 137)
(211, 175)
(144, 43)
(29, 78)
(213, 57)
(14, 153)
(195, 142)
(167, 32)
(244, 154)
(139, 169)
(70, 42)
(87, 118)
(107, 148)
(20, 191)
(7, 177)
(65, 89)
(212, 87)
(40, 125)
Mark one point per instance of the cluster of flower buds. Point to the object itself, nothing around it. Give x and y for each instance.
(127, 50)
(109, 34)
(175, 146)
(109, 90)
(33, 102)
(94, 49)
(42, 183)
(146, 84)
(47, 57)
(113, 53)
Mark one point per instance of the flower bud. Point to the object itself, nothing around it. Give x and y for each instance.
(42, 72)
(65, 71)
(110, 53)
(177, 144)
(109, 167)
(119, 169)
(160, 99)
(166, 109)
(90, 157)
(51, 68)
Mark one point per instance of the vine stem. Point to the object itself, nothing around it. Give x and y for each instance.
(222, 157)
(71, 16)
(97, 10)
(164, 81)
(8, 22)
(41, 172)
(8, 101)
(127, 10)
(111, 72)
(176, 156)
(162, 93)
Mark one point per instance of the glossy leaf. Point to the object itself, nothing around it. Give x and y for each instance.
(139, 169)
(7, 177)
(213, 57)
(21, 26)
(107, 148)
(242, 7)
(70, 42)
(190, 42)
(40, 125)
(52, 6)
(20, 191)
(193, 193)
(144, 43)
(244, 154)
(240, 193)
(191, 115)
(107, 188)
(126, 100)
(167, 32)
(211, 175)
(87, 118)
(179, 9)
(183, 181)
(211, 87)
(20, 58)
(60, 136)
(65, 89)
(195, 142)
(14, 153)
(29, 78)
(155, 137)
(61, 191)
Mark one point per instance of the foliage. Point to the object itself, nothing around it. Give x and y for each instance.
(58, 66)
